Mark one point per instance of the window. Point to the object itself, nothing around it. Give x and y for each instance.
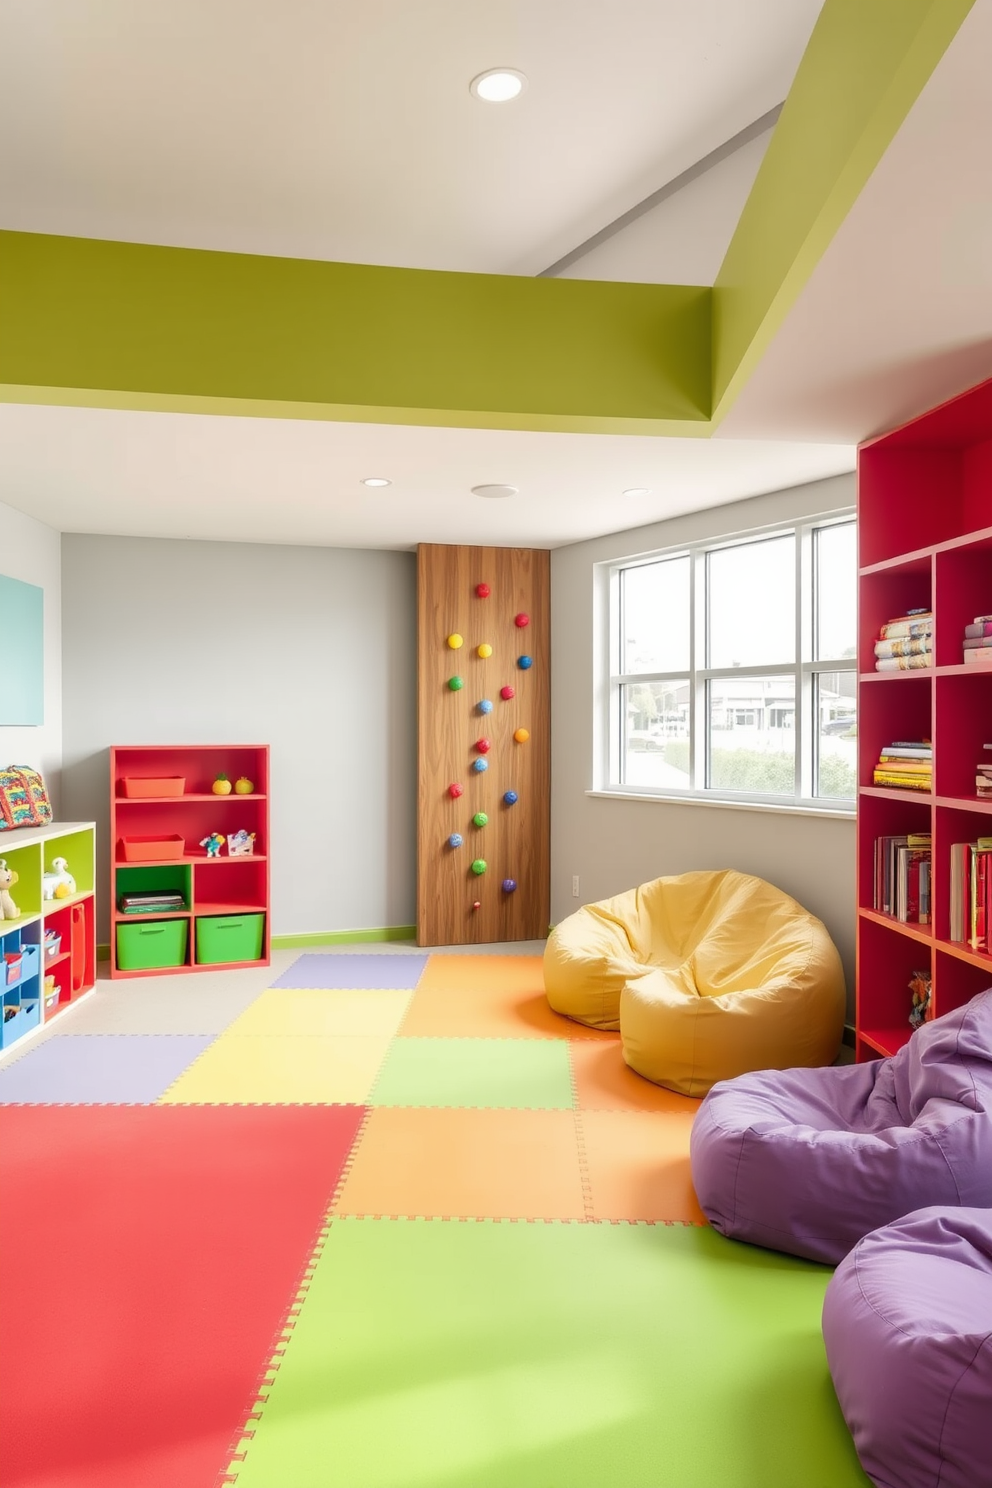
(733, 669)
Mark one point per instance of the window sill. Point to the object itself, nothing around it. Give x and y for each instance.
(835, 813)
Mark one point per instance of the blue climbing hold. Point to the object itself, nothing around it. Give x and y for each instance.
(485, 706)
(509, 884)
(479, 765)
(455, 840)
(524, 662)
(510, 797)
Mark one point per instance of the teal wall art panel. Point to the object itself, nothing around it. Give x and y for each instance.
(22, 655)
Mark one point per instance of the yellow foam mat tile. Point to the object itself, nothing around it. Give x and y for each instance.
(376, 1013)
(282, 1069)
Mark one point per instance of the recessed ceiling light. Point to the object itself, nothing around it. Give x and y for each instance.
(638, 491)
(498, 85)
(495, 490)
(376, 480)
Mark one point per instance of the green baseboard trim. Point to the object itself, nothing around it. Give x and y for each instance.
(103, 953)
(344, 937)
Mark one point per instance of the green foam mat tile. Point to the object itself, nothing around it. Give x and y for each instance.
(521, 1074)
(432, 1354)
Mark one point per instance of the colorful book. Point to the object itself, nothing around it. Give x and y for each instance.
(890, 779)
(910, 646)
(906, 766)
(979, 657)
(908, 663)
(979, 628)
(971, 643)
(908, 625)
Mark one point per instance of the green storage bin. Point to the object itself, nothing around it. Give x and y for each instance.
(149, 944)
(224, 938)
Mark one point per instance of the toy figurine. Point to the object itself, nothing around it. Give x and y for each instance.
(240, 844)
(213, 844)
(919, 986)
(59, 883)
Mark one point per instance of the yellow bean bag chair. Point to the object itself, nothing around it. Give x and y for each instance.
(706, 975)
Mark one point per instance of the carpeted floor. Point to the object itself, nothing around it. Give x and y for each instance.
(381, 1220)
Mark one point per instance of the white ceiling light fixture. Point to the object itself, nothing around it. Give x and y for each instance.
(495, 491)
(498, 85)
(638, 491)
(375, 480)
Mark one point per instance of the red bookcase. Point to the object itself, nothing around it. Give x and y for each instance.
(925, 540)
(162, 807)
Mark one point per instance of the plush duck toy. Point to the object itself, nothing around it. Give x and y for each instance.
(59, 883)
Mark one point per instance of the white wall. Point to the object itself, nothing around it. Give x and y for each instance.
(311, 650)
(614, 844)
(29, 551)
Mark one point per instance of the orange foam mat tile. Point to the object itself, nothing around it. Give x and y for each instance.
(638, 1166)
(603, 1082)
(487, 997)
(465, 1164)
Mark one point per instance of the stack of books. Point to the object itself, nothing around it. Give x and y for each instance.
(983, 776)
(907, 765)
(905, 643)
(902, 877)
(154, 901)
(978, 641)
(971, 892)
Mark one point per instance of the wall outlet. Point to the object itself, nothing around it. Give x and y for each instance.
(575, 886)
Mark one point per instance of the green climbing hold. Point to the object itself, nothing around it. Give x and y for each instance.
(480, 819)
(479, 866)
(455, 683)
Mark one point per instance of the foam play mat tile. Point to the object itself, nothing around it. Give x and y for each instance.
(282, 1069)
(148, 1257)
(638, 1165)
(353, 970)
(551, 1356)
(466, 1163)
(603, 1082)
(105, 1069)
(523, 1073)
(372, 1011)
(486, 997)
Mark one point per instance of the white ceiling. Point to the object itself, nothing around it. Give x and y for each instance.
(342, 130)
(288, 481)
(897, 316)
(318, 129)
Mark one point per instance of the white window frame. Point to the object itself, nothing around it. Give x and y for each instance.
(608, 726)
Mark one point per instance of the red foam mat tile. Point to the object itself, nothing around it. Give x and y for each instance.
(148, 1258)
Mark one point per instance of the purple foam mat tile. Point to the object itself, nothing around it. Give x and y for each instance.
(100, 1069)
(353, 973)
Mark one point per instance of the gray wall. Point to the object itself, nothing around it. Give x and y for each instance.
(614, 844)
(29, 551)
(310, 650)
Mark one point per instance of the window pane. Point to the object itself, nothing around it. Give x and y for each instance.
(752, 603)
(656, 617)
(752, 735)
(655, 720)
(835, 551)
(835, 699)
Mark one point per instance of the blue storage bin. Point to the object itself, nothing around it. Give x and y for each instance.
(26, 1017)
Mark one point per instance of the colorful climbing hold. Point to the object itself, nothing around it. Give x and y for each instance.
(485, 650)
(456, 839)
(455, 790)
(506, 693)
(479, 765)
(509, 884)
(521, 735)
(525, 662)
(480, 819)
(483, 746)
(455, 640)
(510, 797)
(483, 591)
(456, 684)
(479, 866)
(477, 904)
(484, 705)
(521, 620)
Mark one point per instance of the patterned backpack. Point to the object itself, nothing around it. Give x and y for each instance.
(23, 798)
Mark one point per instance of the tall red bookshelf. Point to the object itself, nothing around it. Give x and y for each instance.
(925, 540)
(162, 807)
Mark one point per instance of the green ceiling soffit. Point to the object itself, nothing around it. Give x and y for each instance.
(128, 325)
(866, 64)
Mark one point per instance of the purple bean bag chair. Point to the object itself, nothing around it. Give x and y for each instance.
(907, 1321)
(811, 1160)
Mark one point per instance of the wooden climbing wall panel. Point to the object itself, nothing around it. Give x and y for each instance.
(515, 841)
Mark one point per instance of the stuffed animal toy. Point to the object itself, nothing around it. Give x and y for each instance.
(58, 884)
(8, 877)
(213, 844)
